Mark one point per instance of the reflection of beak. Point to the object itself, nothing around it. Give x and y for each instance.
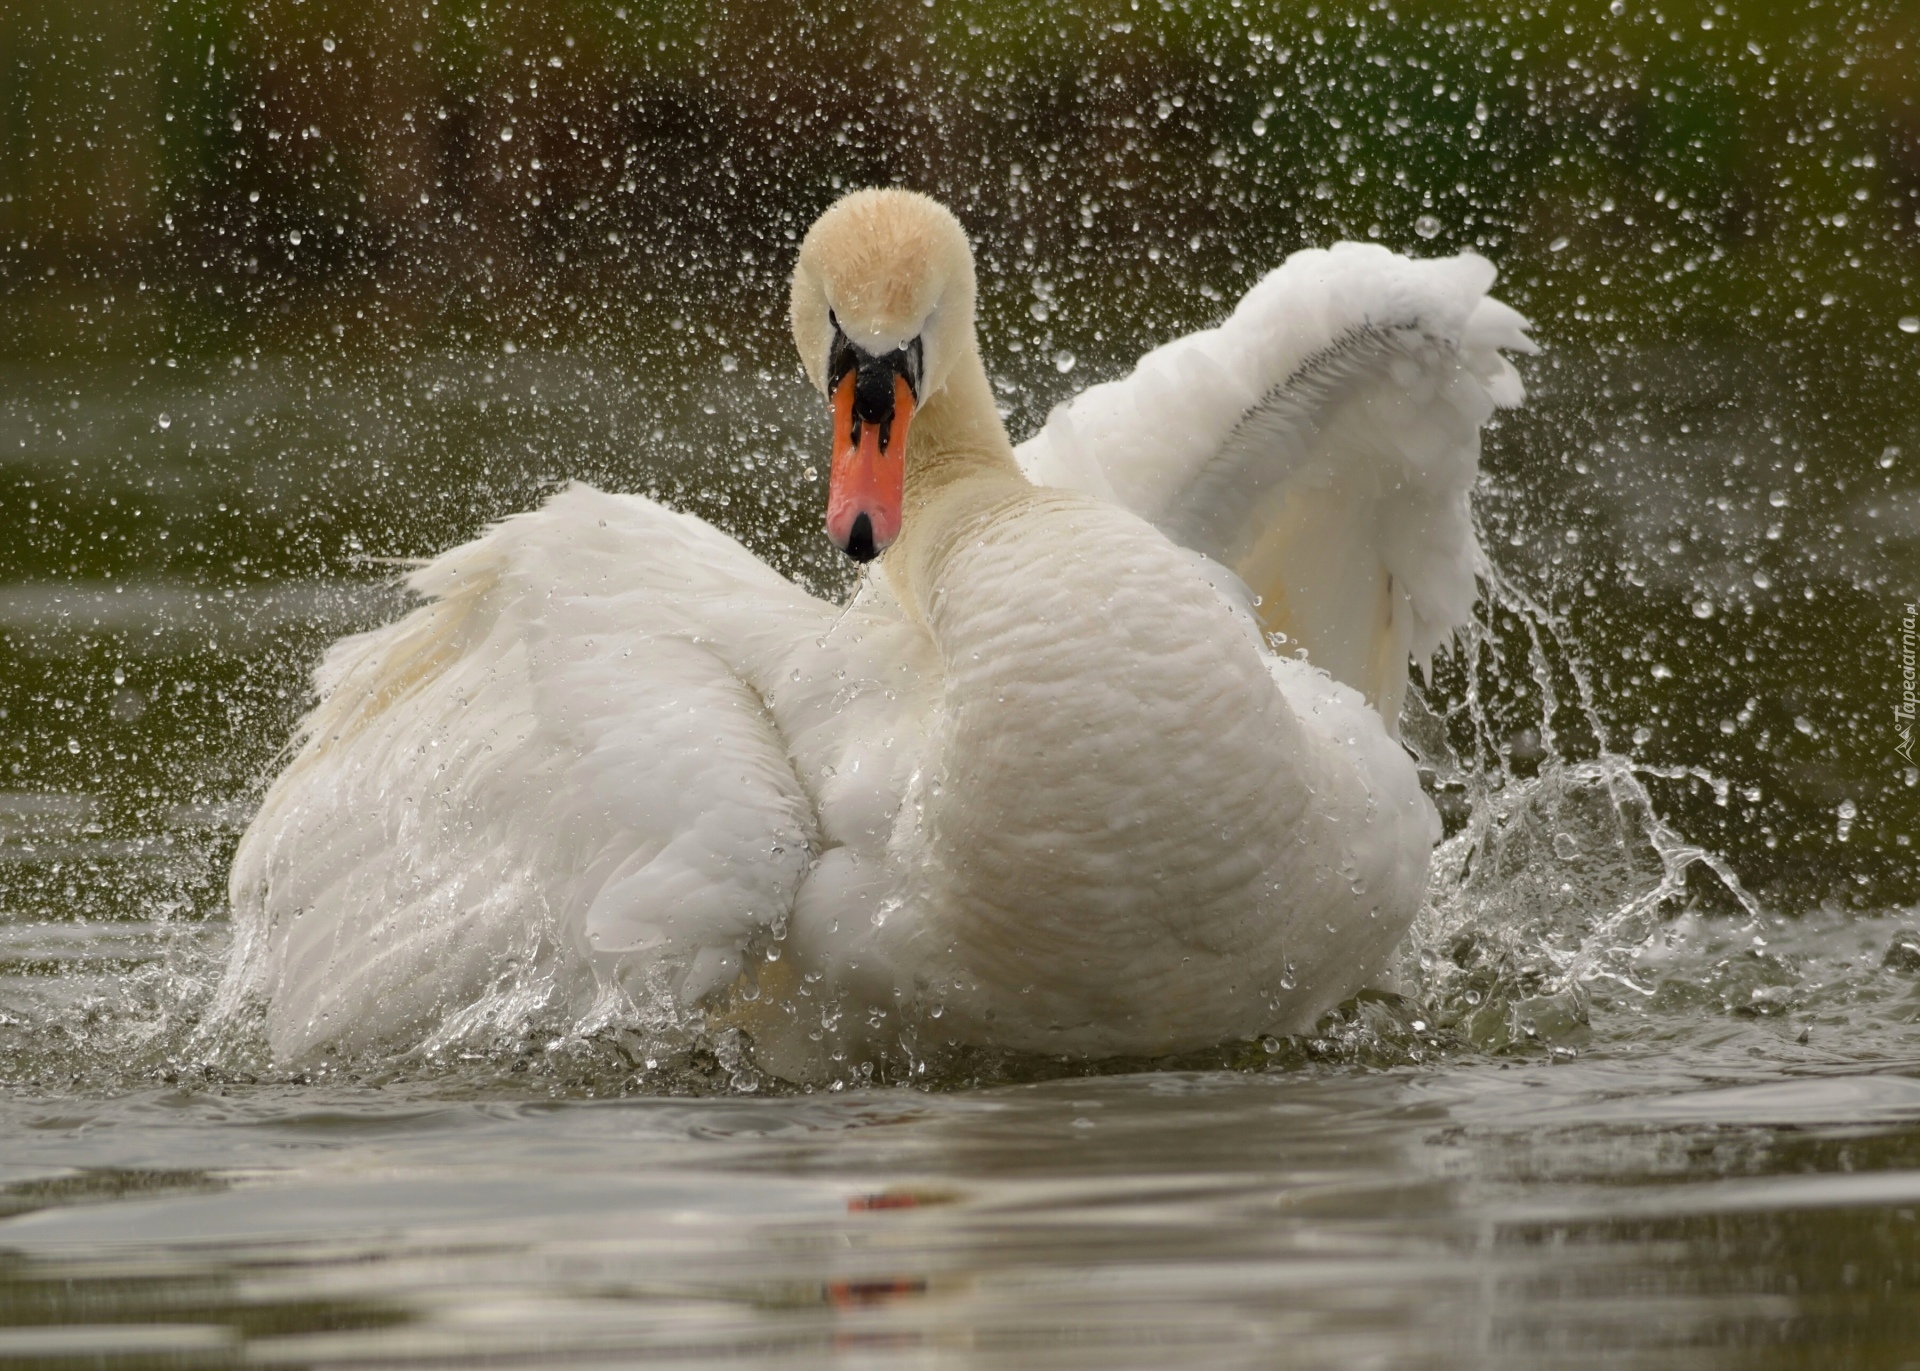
(867, 483)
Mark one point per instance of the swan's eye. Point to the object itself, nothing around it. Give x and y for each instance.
(914, 365)
(842, 355)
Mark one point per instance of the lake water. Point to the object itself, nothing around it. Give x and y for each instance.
(1737, 1209)
(1618, 1109)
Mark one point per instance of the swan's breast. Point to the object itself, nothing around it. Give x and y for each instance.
(1118, 772)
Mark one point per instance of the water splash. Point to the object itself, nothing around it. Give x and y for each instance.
(1550, 882)
(1559, 889)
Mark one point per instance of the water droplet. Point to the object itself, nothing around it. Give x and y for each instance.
(1703, 609)
(812, 474)
(166, 421)
(506, 135)
(1762, 580)
(119, 676)
(73, 744)
(1910, 323)
(294, 237)
(1565, 847)
(1558, 245)
(1427, 226)
(1064, 361)
(327, 44)
(1778, 499)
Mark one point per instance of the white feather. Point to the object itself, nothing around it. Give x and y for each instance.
(562, 705)
(1322, 442)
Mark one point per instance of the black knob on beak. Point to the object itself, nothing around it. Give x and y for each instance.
(860, 540)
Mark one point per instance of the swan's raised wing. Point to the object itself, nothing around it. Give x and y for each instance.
(559, 777)
(1322, 442)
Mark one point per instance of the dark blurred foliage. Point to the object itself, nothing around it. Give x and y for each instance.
(216, 175)
(1711, 211)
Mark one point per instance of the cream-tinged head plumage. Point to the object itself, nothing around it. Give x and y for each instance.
(889, 266)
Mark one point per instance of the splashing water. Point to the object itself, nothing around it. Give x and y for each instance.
(1554, 882)
(1557, 894)
(1565, 914)
(1554, 891)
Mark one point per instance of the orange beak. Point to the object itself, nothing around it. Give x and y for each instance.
(867, 482)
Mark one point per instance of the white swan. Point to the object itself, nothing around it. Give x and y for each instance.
(1044, 785)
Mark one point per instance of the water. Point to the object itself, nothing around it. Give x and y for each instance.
(1616, 1108)
(1522, 1215)
(1693, 1185)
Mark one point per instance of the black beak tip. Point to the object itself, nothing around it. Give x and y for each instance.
(860, 540)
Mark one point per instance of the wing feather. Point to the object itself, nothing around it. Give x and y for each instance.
(559, 767)
(1323, 443)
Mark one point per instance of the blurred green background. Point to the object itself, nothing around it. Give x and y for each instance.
(298, 286)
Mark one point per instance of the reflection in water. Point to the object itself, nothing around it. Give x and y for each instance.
(1521, 1216)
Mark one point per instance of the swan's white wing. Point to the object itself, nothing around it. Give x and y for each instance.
(563, 763)
(1322, 442)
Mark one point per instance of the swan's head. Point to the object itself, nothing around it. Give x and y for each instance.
(882, 311)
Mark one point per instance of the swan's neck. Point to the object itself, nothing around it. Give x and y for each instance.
(959, 467)
(957, 434)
